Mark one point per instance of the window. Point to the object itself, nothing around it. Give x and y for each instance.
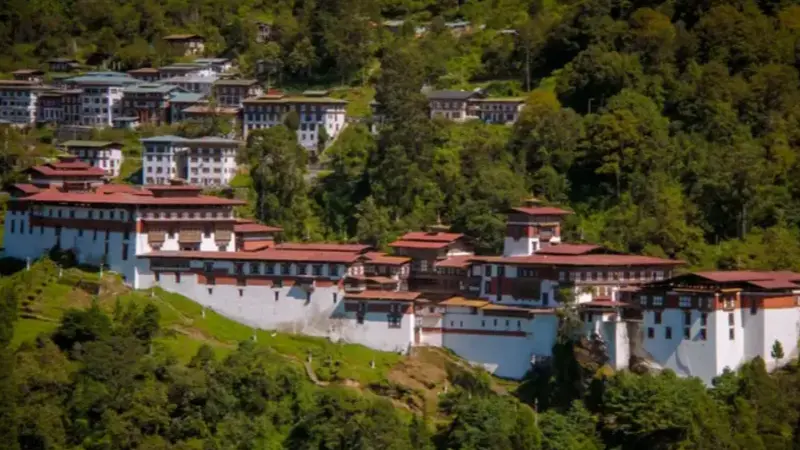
(702, 334)
(753, 306)
(657, 317)
(658, 300)
(335, 297)
(13, 226)
(651, 333)
(731, 319)
(525, 272)
(668, 332)
(177, 277)
(255, 268)
(685, 301)
(124, 252)
(687, 333)
(501, 271)
(487, 287)
(316, 270)
(545, 298)
(643, 300)
(269, 268)
(394, 320)
(157, 276)
(276, 295)
(284, 268)
(687, 317)
(208, 266)
(360, 318)
(334, 270)
(301, 269)
(731, 334)
(241, 292)
(703, 319)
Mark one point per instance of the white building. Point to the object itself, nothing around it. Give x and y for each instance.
(101, 97)
(118, 226)
(105, 155)
(19, 100)
(211, 161)
(206, 161)
(163, 159)
(218, 65)
(460, 106)
(232, 92)
(199, 84)
(180, 101)
(320, 116)
(498, 110)
(171, 236)
(186, 44)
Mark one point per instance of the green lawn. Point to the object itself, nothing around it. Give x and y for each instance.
(46, 293)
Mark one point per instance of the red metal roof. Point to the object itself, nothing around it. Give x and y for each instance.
(568, 249)
(541, 211)
(747, 275)
(774, 284)
(255, 246)
(265, 255)
(419, 244)
(458, 262)
(251, 227)
(383, 295)
(120, 189)
(383, 258)
(324, 247)
(431, 236)
(53, 196)
(68, 170)
(582, 260)
(172, 187)
(26, 188)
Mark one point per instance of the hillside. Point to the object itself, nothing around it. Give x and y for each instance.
(412, 382)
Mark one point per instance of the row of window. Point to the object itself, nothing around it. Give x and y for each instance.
(92, 214)
(257, 268)
(687, 333)
(495, 323)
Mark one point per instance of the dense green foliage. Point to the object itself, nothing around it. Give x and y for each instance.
(107, 381)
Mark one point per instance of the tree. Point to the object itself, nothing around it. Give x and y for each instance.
(777, 351)
(278, 172)
(8, 394)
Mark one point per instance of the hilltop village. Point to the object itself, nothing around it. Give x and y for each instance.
(502, 312)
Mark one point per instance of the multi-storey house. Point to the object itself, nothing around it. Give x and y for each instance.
(253, 237)
(233, 92)
(50, 107)
(186, 44)
(71, 105)
(19, 101)
(497, 110)
(63, 64)
(218, 65)
(150, 103)
(180, 101)
(185, 69)
(101, 97)
(453, 105)
(105, 155)
(32, 75)
(66, 172)
(199, 84)
(146, 74)
(699, 324)
(163, 159)
(211, 161)
(322, 118)
(117, 227)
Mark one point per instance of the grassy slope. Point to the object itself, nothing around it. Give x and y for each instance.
(412, 382)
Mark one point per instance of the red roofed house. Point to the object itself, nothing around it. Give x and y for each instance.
(699, 324)
(495, 311)
(67, 173)
(427, 249)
